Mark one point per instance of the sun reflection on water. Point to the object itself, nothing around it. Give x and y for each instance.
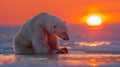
(7, 59)
(90, 60)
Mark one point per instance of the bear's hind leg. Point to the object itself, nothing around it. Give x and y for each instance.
(20, 49)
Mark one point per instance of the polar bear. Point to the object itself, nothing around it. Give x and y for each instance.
(38, 35)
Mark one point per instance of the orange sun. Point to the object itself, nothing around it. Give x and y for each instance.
(94, 21)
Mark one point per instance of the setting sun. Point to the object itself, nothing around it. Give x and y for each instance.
(94, 21)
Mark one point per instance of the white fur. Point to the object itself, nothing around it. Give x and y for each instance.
(37, 32)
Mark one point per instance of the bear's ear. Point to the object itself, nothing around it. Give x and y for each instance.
(64, 21)
(54, 26)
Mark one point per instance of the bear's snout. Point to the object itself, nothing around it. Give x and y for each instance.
(66, 37)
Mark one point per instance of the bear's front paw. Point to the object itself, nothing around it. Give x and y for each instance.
(62, 51)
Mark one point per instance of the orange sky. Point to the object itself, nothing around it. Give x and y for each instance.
(16, 12)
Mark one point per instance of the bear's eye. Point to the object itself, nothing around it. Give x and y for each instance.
(54, 26)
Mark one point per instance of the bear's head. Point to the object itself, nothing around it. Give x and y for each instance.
(60, 30)
(56, 26)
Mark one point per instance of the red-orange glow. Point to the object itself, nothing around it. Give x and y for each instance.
(15, 13)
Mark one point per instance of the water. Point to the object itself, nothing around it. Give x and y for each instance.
(65, 60)
(87, 47)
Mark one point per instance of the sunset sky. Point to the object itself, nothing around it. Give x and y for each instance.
(16, 12)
